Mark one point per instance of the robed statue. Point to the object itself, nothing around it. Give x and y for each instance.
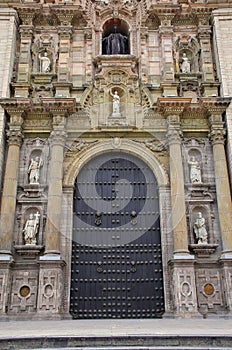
(115, 43)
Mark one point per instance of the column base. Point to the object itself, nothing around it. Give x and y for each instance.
(184, 287)
(51, 287)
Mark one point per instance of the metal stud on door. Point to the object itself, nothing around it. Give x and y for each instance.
(116, 249)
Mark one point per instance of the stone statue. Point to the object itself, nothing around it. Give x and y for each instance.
(195, 170)
(45, 63)
(33, 170)
(200, 230)
(115, 43)
(31, 229)
(185, 65)
(116, 104)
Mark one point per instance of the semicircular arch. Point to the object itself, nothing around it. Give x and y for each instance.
(127, 146)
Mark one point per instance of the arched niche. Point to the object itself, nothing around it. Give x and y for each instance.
(115, 38)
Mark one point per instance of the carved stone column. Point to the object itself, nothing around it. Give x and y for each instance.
(65, 16)
(26, 35)
(166, 38)
(206, 57)
(58, 137)
(172, 108)
(10, 180)
(217, 134)
(179, 223)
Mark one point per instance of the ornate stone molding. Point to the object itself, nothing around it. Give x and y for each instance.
(166, 12)
(26, 31)
(174, 135)
(217, 136)
(127, 146)
(202, 12)
(28, 12)
(172, 106)
(15, 137)
(65, 14)
(203, 250)
(77, 146)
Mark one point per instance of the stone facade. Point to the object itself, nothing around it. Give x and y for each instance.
(88, 78)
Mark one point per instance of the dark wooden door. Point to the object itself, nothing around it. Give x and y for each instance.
(116, 248)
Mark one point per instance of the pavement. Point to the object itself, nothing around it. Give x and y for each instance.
(114, 328)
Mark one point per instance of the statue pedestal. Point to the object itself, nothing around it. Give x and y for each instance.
(203, 250)
(28, 250)
(116, 115)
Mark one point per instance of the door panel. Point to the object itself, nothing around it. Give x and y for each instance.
(116, 249)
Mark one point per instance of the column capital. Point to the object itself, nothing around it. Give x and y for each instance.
(58, 137)
(174, 134)
(15, 137)
(26, 31)
(217, 135)
(204, 32)
(65, 32)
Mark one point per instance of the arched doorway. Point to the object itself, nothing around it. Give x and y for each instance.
(116, 248)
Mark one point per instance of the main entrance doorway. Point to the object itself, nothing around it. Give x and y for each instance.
(116, 246)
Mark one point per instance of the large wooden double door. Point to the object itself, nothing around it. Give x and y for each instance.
(116, 247)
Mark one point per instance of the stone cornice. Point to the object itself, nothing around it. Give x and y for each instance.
(64, 14)
(216, 105)
(15, 106)
(59, 105)
(172, 106)
(166, 12)
(28, 12)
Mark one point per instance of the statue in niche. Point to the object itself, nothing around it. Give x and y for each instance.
(116, 104)
(45, 63)
(115, 43)
(200, 230)
(195, 170)
(33, 170)
(31, 229)
(185, 65)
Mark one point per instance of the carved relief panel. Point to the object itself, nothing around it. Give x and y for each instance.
(24, 290)
(209, 290)
(50, 288)
(184, 290)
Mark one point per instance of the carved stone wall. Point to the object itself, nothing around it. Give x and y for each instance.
(62, 86)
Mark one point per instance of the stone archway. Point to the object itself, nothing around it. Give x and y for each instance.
(129, 150)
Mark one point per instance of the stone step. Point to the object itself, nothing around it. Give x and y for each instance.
(139, 348)
(142, 342)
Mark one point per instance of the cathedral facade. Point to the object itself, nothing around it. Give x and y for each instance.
(116, 138)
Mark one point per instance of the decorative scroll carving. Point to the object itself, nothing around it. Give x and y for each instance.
(78, 145)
